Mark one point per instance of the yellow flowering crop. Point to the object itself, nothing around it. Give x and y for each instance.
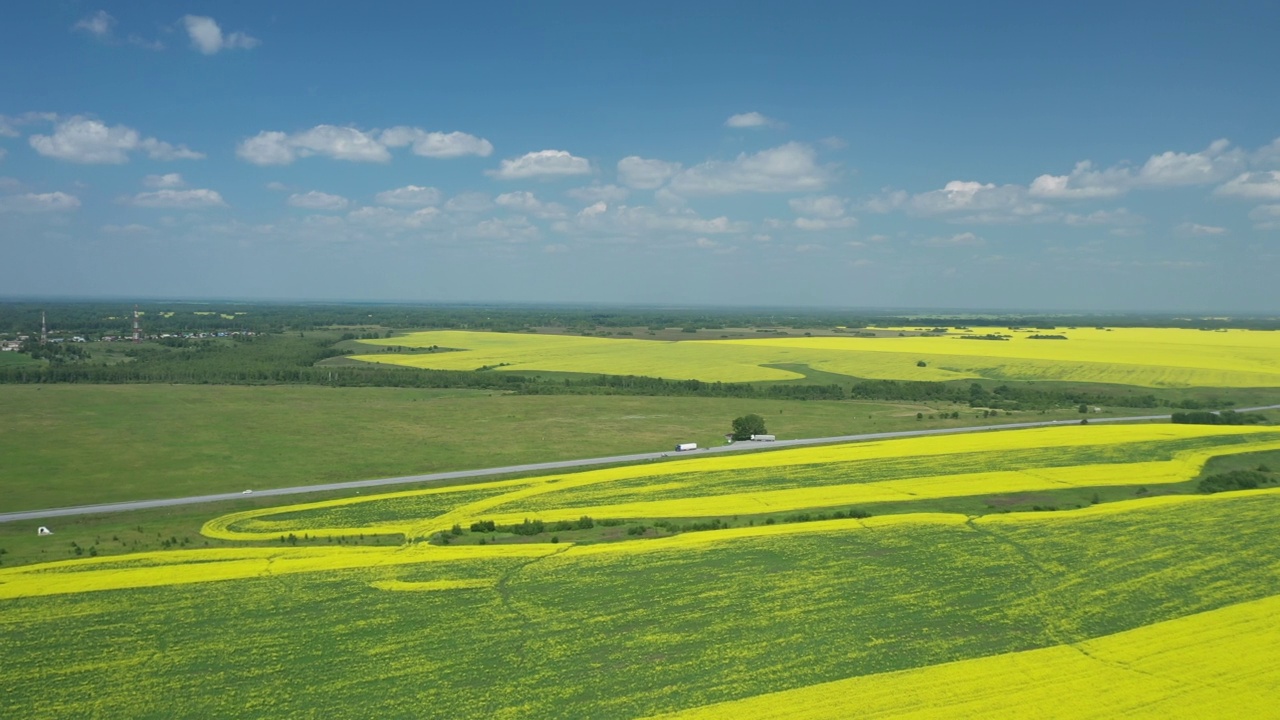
(1219, 663)
(1148, 357)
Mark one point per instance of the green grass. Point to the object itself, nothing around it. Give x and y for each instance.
(629, 635)
(13, 359)
(83, 444)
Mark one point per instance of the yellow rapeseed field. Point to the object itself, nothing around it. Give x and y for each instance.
(1147, 357)
(1220, 663)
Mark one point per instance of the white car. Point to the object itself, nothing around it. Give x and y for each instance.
(247, 492)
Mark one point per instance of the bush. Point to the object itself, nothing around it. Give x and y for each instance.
(1234, 480)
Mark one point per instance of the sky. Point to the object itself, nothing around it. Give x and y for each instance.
(1030, 156)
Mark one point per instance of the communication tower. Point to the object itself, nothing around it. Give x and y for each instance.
(44, 330)
(137, 328)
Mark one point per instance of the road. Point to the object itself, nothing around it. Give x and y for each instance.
(557, 465)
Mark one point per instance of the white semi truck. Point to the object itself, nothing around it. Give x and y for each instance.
(682, 447)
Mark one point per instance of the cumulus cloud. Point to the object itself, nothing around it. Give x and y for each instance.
(786, 168)
(409, 196)
(1168, 169)
(1196, 229)
(635, 222)
(596, 193)
(750, 120)
(39, 202)
(826, 206)
(825, 212)
(985, 203)
(1120, 217)
(1266, 217)
(207, 37)
(101, 26)
(340, 143)
(964, 239)
(525, 201)
(316, 200)
(543, 163)
(83, 140)
(98, 24)
(272, 147)
(1252, 186)
(644, 174)
(169, 180)
(469, 203)
(186, 199)
(516, 229)
(391, 219)
(436, 144)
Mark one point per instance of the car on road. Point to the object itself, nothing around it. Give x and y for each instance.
(247, 492)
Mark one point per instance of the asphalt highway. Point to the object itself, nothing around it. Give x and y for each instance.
(557, 465)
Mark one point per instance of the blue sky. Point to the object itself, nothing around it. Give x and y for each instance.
(1096, 156)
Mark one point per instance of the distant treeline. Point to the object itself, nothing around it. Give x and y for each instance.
(1001, 397)
(115, 318)
(1223, 417)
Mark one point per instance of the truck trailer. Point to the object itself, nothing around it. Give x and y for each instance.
(682, 447)
(764, 438)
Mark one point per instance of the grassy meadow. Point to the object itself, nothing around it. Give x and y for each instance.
(1142, 357)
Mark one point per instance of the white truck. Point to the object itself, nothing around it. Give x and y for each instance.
(683, 447)
(764, 438)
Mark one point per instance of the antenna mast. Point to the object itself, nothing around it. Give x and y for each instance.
(44, 330)
(137, 328)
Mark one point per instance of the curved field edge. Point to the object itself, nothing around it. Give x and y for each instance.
(1190, 667)
(1145, 357)
(182, 567)
(551, 498)
(663, 626)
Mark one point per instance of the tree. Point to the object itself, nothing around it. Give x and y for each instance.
(748, 425)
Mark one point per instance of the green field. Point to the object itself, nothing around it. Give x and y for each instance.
(636, 629)
(82, 444)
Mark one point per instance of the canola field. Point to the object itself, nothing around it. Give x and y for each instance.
(1155, 607)
(1145, 357)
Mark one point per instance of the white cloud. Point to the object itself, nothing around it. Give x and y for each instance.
(640, 221)
(272, 147)
(1083, 183)
(391, 219)
(543, 163)
(316, 200)
(1212, 164)
(169, 180)
(987, 202)
(436, 144)
(750, 120)
(1266, 217)
(517, 229)
(556, 248)
(207, 37)
(1168, 169)
(965, 239)
(1121, 217)
(1190, 228)
(805, 223)
(409, 196)
(786, 168)
(339, 143)
(821, 213)
(1253, 186)
(82, 140)
(130, 229)
(189, 199)
(642, 174)
(525, 201)
(1267, 155)
(278, 186)
(98, 24)
(39, 202)
(834, 143)
(826, 206)
(469, 203)
(596, 193)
